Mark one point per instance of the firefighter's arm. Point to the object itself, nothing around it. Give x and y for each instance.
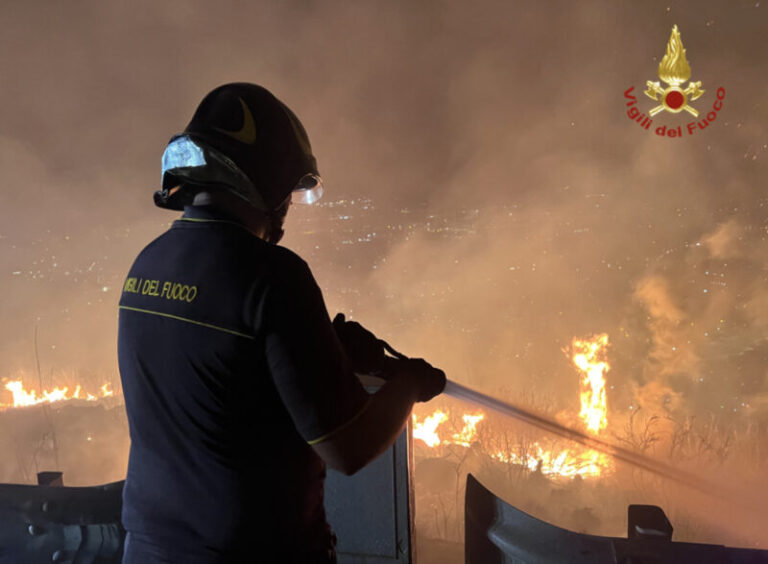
(376, 427)
(313, 371)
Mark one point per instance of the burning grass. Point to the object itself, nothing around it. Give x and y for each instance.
(581, 489)
(550, 478)
(76, 424)
(19, 390)
(588, 492)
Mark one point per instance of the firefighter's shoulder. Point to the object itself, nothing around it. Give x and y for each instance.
(285, 264)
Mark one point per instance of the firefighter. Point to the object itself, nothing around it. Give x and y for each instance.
(239, 390)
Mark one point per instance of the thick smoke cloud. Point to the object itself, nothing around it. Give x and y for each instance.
(505, 122)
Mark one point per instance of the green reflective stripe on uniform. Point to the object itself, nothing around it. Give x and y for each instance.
(197, 220)
(203, 220)
(208, 325)
(341, 427)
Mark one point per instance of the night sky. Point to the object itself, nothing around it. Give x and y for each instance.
(504, 119)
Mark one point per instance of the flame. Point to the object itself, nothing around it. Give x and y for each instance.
(24, 398)
(106, 392)
(566, 463)
(427, 430)
(587, 356)
(674, 68)
(468, 433)
(553, 462)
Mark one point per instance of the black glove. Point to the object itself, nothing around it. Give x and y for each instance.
(430, 381)
(365, 351)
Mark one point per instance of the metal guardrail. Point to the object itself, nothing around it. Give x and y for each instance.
(43, 524)
(498, 533)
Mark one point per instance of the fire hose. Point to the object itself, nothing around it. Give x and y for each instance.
(641, 461)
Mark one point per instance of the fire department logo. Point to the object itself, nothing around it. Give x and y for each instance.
(675, 96)
(674, 70)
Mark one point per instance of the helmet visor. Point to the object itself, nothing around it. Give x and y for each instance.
(308, 190)
(182, 152)
(188, 159)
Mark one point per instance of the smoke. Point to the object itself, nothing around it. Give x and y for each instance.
(724, 242)
(656, 396)
(671, 352)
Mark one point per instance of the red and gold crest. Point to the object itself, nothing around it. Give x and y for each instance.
(674, 70)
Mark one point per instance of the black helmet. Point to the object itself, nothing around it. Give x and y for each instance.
(246, 140)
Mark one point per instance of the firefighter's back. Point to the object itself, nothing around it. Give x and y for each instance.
(211, 442)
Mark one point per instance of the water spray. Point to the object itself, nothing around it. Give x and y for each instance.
(643, 462)
(657, 467)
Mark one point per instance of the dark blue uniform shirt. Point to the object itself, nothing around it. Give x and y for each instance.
(231, 369)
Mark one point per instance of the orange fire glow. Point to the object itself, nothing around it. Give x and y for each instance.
(588, 356)
(468, 433)
(427, 429)
(566, 463)
(23, 397)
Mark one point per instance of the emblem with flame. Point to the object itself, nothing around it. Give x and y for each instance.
(674, 70)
